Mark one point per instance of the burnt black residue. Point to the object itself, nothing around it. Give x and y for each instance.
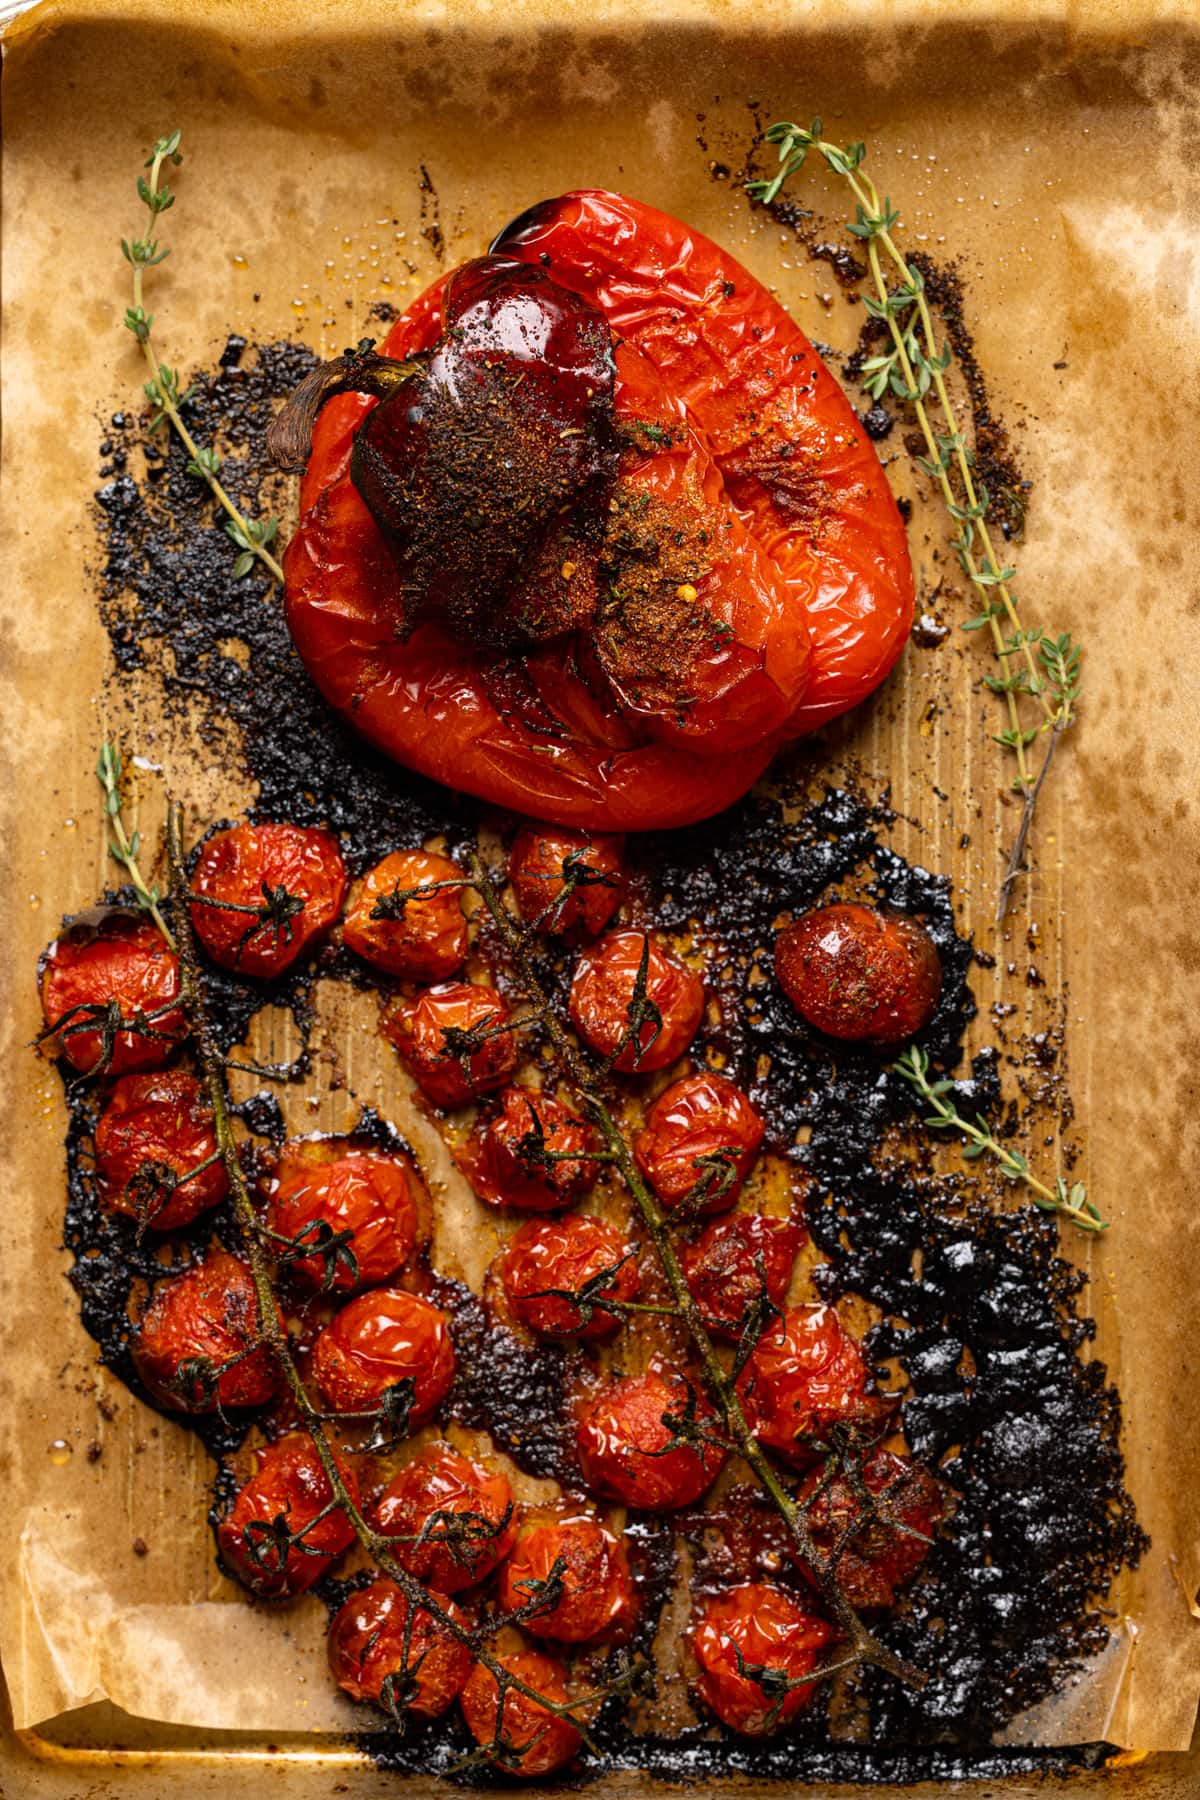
(982, 1315)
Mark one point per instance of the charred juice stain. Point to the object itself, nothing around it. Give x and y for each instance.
(979, 1310)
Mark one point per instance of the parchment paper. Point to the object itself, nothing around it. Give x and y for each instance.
(1052, 152)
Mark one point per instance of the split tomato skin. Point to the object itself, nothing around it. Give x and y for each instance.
(540, 866)
(349, 1188)
(241, 866)
(366, 1647)
(419, 939)
(417, 1030)
(541, 1741)
(604, 988)
(883, 1553)
(805, 1375)
(384, 1337)
(288, 1481)
(566, 1254)
(859, 974)
(121, 959)
(154, 1129)
(621, 1441)
(209, 1312)
(598, 1595)
(734, 1260)
(694, 1121)
(438, 1486)
(501, 1170)
(769, 1630)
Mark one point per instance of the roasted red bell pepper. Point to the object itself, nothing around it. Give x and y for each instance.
(728, 421)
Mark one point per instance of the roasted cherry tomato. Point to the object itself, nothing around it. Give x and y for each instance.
(567, 883)
(156, 1129)
(751, 1643)
(450, 1520)
(738, 1263)
(535, 1741)
(110, 988)
(374, 1654)
(289, 1484)
(622, 1440)
(884, 1549)
(513, 1158)
(570, 1555)
(380, 1339)
(336, 1182)
(266, 893)
(421, 936)
(860, 974)
(805, 1375)
(618, 1022)
(699, 1141)
(196, 1347)
(551, 1257)
(455, 1040)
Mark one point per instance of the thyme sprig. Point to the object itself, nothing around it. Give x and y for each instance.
(1035, 667)
(251, 536)
(1068, 1199)
(123, 848)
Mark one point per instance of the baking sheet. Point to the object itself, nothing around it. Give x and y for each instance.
(1052, 158)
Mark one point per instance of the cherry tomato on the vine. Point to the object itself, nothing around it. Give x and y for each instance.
(805, 1375)
(636, 1440)
(698, 1143)
(530, 1154)
(753, 1643)
(535, 1741)
(155, 1129)
(456, 1040)
(739, 1263)
(349, 1188)
(860, 974)
(548, 1258)
(376, 1654)
(264, 893)
(635, 1002)
(451, 1521)
(573, 1556)
(110, 992)
(382, 1338)
(198, 1346)
(567, 883)
(877, 1553)
(419, 936)
(278, 1538)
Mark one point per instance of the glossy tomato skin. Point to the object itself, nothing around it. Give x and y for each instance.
(805, 1375)
(621, 1441)
(880, 1557)
(154, 1123)
(116, 957)
(237, 864)
(208, 1312)
(734, 1260)
(769, 1630)
(540, 1741)
(700, 1138)
(539, 866)
(366, 1647)
(504, 1173)
(438, 1486)
(384, 1337)
(418, 939)
(859, 974)
(566, 1254)
(598, 1595)
(288, 1480)
(604, 989)
(417, 1030)
(350, 1188)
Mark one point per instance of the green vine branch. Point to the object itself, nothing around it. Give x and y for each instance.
(123, 848)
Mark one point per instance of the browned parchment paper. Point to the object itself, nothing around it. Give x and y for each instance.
(1050, 148)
